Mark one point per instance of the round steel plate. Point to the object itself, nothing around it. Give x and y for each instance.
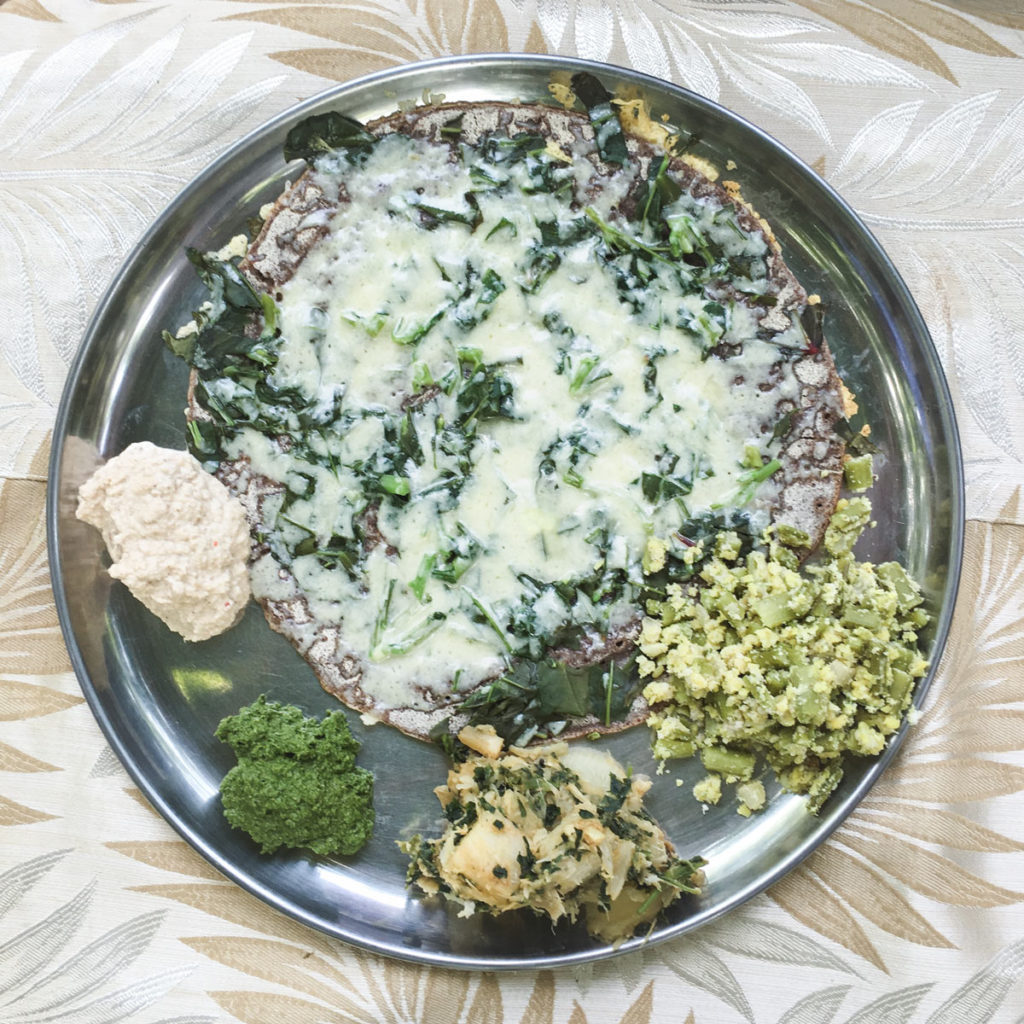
(158, 699)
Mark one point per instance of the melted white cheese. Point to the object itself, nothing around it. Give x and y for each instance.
(350, 318)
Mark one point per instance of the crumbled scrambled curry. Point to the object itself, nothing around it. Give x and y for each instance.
(756, 657)
(562, 832)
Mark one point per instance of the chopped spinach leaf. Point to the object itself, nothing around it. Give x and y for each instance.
(662, 191)
(452, 128)
(431, 215)
(533, 699)
(856, 441)
(812, 319)
(608, 134)
(327, 133)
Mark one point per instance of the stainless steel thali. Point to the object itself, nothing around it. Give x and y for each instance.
(159, 699)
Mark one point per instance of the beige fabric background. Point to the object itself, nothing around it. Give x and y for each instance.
(914, 912)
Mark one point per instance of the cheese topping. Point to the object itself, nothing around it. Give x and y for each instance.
(500, 392)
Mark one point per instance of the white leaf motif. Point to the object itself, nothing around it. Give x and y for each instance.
(25, 956)
(57, 78)
(206, 137)
(35, 989)
(126, 88)
(762, 940)
(553, 16)
(643, 45)
(10, 65)
(766, 24)
(840, 64)
(934, 154)
(120, 1004)
(20, 880)
(983, 340)
(1004, 180)
(695, 70)
(184, 94)
(92, 967)
(700, 966)
(595, 31)
(1014, 270)
(817, 1008)
(892, 1008)
(91, 149)
(875, 146)
(774, 92)
(978, 1001)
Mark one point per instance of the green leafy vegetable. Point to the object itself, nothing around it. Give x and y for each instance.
(327, 133)
(662, 191)
(296, 783)
(533, 699)
(608, 134)
(812, 319)
(856, 441)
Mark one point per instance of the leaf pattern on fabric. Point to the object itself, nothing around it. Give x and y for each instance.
(17, 882)
(938, 825)
(19, 701)
(49, 972)
(639, 1011)
(907, 174)
(373, 38)
(642, 1008)
(677, 43)
(946, 27)
(541, 1006)
(983, 995)
(845, 64)
(160, 118)
(892, 1008)
(28, 9)
(30, 637)
(703, 968)
(916, 173)
(817, 1008)
(960, 780)
(138, 796)
(998, 12)
(807, 900)
(930, 874)
(883, 32)
(324, 987)
(227, 901)
(486, 1006)
(744, 935)
(697, 960)
(775, 92)
(168, 855)
(304, 972)
(252, 1007)
(13, 760)
(861, 886)
(876, 144)
(14, 813)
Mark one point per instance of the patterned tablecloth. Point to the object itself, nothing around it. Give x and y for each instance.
(913, 913)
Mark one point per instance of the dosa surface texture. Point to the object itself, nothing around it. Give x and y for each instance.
(766, 381)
